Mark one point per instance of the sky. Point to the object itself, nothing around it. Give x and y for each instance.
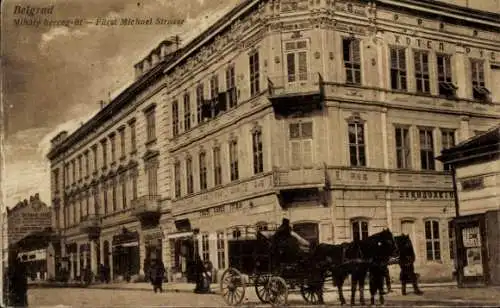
(53, 77)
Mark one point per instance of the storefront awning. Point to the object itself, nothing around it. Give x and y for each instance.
(179, 235)
(130, 244)
(183, 225)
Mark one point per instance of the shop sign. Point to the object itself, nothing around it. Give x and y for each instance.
(432, 195)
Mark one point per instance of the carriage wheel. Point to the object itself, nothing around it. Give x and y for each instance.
(261, 288)
(310, 294)
(278, 291)
(232, 287)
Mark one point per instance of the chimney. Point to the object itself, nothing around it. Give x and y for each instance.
(37, 196)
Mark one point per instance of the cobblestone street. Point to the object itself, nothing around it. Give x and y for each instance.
(82, 297)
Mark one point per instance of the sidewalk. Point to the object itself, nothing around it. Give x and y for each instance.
(215, 287)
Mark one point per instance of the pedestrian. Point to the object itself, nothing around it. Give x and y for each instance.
(406, 261)
(157, 275)
(199, 271)
(17, 282)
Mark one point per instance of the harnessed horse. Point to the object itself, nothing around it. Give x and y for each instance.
(355, 259)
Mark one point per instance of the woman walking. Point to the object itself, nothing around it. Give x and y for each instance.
(157, 274)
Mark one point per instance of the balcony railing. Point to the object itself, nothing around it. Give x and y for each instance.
(297, 84)
(146, 204)
(300, 178)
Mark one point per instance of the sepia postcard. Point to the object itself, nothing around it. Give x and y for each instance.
(213, 153)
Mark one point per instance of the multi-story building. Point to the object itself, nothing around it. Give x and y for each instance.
(106, 175)
(329, 113)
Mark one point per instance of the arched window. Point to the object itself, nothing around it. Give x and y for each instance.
(359, 229)
(308, 230)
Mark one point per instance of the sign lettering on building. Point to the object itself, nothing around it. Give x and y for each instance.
(436, 45)
(430, 195)
(225, 194)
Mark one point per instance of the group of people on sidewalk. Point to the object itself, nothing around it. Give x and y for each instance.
(202, 270)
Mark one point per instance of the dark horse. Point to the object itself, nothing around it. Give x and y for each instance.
(355, 259)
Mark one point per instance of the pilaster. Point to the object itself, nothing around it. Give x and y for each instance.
(460, 72)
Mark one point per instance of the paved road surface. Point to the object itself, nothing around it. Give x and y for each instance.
(75, 297)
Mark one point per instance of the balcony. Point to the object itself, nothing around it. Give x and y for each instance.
(147, 209)
(299, 178)
(91, 224)
(293, 93)
(297, 185)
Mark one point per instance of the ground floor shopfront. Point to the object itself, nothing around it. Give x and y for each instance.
(425, 215)
(124, 251)
(327, 216)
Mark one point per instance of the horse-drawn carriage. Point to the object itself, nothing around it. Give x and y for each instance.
(271, 270)
(273, 267)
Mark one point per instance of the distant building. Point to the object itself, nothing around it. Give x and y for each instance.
(26, 226)
(329, 113)
(27, 217)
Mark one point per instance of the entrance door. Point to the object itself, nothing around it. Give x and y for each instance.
(472, 262)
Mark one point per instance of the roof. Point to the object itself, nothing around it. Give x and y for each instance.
(480, 147)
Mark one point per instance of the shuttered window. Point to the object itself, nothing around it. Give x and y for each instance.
(421, 59)
(352, 60)
(301, 142)
(398, 69)
(254, 73)
(296, 61)
(426, 149)
(199, 102)
(357, 152)
(175, 118)
(189, 175)
(403, 152)
(233, 160)
(217, 167)
(203, 170)
(187, 112)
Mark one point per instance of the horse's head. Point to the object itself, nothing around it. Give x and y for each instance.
(385, 243)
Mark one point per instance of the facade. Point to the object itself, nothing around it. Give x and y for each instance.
(27, 217)
(329, 113)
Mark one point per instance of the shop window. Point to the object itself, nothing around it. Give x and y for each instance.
(221, 250)
(205, 247)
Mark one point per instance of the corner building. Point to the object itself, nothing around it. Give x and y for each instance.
(329, 113)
